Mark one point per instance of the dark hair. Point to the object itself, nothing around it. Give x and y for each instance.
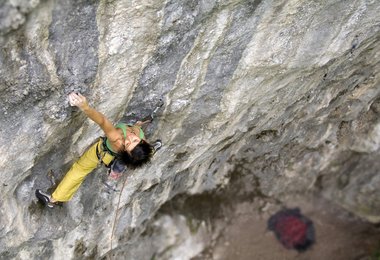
(139, 156)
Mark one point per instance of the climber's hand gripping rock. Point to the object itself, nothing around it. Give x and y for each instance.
(78, 100)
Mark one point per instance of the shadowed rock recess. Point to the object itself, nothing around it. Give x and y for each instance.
(282, 95)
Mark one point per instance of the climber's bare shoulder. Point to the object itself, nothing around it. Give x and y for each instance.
(116, 139)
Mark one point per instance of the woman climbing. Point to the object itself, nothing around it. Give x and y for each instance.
(126, 143)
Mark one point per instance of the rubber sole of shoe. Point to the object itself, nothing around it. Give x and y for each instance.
(44, 199)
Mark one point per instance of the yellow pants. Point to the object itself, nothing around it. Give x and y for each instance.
(80, 169)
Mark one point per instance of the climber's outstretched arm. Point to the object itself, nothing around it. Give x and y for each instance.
(80, 101)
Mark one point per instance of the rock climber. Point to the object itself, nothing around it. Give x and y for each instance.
(123, 144)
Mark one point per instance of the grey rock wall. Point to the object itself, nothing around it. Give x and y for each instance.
(284, 94)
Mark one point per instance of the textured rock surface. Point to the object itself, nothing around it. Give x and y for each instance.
(283, 94)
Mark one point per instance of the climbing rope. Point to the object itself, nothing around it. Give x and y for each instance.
(116, 213)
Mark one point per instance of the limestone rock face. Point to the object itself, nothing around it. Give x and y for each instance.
(284, 94)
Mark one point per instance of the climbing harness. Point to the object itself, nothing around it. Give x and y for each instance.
(99, 154)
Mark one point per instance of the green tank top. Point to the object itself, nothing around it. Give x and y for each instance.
(123, 127)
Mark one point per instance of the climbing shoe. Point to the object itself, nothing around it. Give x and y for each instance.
(44, 198)
(116, 169)
(157, 145)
